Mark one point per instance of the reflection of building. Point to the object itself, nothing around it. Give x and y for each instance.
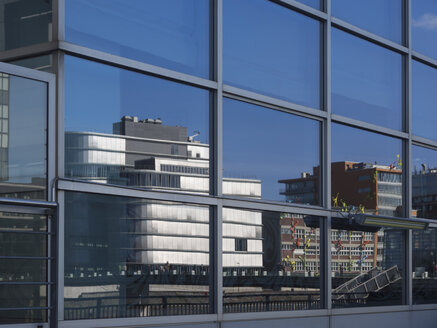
(300, 244)
(425, 203)
(4, 126)
(377, 189)
(303, 190)
(147, 153)
(425, 193)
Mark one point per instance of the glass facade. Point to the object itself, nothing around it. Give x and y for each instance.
(272, 50)
(366, 176)
(382, 17)
(281, 163)
(24, 23)
(130, 257)
(176, 39)
(210, 159)
(366, 81)
(279, 270)
(23, 138)
(423, 100)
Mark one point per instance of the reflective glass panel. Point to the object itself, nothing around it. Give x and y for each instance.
(366, 172)
(169, 33)
(23, 138)
(424, 100)
(279, 270)
(23, 268)
(382, 17)
(367, 264)
(313, 3)
(130, 129)
(424, 175)
(41, 63)
(27, 297)
(270, 49)
(277, 159)
(24, 22)
(128, 257)
(366, 81)
(424, 27)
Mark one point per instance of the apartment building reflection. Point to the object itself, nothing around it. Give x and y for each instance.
(369, 188)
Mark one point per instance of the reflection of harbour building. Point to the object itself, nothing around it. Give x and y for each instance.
(425, 203)
(377, 188)
(300, 244)
(425, 192)
(147, 153)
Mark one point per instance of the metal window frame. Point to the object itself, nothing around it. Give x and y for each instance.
(59, 47)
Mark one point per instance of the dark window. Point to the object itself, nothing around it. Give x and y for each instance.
(240, 245)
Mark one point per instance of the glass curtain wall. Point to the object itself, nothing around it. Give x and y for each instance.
(266, 117)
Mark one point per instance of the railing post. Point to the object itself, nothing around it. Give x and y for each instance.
(99, 304)
(164, 305)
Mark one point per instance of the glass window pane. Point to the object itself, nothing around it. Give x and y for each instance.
(25, 22)
(383, 17)
(366, 172)
(424, 175)
(23, 162)
(169, 33)
(128, 257)
(21, 244)
(41, 63)
(270, 49)
(281, 163)
(424, 27)
(424, 99)
(366, 81)
(130, 129)
(22, 296)
(367, 265)
(280, 270)
(23, 316)
(23, 270)
(313, 3)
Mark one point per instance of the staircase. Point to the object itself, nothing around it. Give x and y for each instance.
(365, 283)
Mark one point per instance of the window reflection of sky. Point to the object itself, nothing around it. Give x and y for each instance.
(382, 17)
(272, 50)
(424, 100)
(349, 144)
(267, 145)
(424, 27)
(98, 95)
(366, 81)
(144, 30)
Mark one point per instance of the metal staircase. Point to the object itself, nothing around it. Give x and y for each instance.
(365, 283)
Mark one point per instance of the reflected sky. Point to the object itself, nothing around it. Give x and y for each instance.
(382, 17)
(268, 145)
(144, 30)
(313, 3)
(424, 100)
(350, 144)
(271, 49)
(98, 95)
(366, 81)
(424, 27)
